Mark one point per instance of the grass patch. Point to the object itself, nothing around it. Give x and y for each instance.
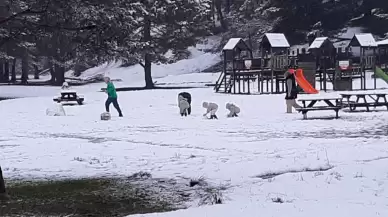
(85, 197)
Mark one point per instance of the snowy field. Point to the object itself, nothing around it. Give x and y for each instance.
(271, 160)
(152, 137)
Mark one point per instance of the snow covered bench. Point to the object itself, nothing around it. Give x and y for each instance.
(331, 104)
(69, 96)
(375, 100)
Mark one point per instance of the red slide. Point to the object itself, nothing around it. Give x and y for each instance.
(303, 83)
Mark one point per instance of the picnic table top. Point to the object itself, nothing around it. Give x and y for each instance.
(320, 99)
(68, 91)
(362, 94)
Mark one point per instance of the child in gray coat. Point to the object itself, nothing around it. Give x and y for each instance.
(233, 110)
(183, 105)
(210, 108)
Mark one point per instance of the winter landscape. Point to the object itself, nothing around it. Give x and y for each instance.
(65, 160)
(267, 161)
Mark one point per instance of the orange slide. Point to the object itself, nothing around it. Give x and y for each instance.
(303, 83)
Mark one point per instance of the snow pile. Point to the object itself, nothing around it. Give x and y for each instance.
(56, 110)
(133, 76)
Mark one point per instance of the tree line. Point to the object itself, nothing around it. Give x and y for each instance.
(78, 34)
(56, 36)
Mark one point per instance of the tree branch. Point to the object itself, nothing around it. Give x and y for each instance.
(140, 63)
(59, 27)
(22, 13)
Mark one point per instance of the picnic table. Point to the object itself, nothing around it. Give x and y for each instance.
(69, 96)
(374, 100)
(330, 104)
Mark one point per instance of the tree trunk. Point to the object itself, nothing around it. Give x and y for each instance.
(59, 75)
(228, 5)
(25, 68)
(13, 72)
(218, 5)
(3, 193)
(6, 71)
(52, 72)
(149, 84)
(1, 72)
(36, 74)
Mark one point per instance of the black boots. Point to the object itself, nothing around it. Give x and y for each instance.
(213, 117)
(184, 113)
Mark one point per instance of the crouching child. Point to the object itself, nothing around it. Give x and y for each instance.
(183, 105)
(233, 110)
(210, 108)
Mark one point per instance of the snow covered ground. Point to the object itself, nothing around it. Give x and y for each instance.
(271, 160)
(152, 137)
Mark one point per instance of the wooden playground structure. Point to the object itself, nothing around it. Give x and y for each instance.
(241, 72)
(334, 67)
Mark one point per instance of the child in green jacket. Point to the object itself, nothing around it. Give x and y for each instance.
(112, 96)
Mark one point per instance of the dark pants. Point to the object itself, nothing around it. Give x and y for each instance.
(115, 104)
(188, 97)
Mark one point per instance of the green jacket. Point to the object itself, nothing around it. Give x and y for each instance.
(111, 90)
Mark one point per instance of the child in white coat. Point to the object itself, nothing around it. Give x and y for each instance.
(210, 108)
(233, 110)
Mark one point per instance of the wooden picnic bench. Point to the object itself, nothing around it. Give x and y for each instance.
(69, 96)
(375, 100)
(331, 104)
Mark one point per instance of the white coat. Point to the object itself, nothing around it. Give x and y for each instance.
(233, 109)
(210, 107)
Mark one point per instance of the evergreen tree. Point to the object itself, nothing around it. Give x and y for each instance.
(150, 28)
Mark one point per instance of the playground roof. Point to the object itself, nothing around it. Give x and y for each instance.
(383, 43)
(363, 40)
(318, 42)
(236, 43)
(276, 40)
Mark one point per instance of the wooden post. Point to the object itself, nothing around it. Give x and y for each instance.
(374, 68)
(364, 69)
(249, 86)
(272, 70)
(361, 67)
(225, 71)
(325, 75)
(234, 73)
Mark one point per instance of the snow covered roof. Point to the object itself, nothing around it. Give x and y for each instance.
(318, 42)
(382, 43)
(231, 44)
(363, 40)
(235, 42)
(276, 40)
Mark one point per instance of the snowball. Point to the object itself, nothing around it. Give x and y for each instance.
(105, 116)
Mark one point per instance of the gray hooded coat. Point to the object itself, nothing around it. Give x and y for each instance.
(233, 109)
(183, 104)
